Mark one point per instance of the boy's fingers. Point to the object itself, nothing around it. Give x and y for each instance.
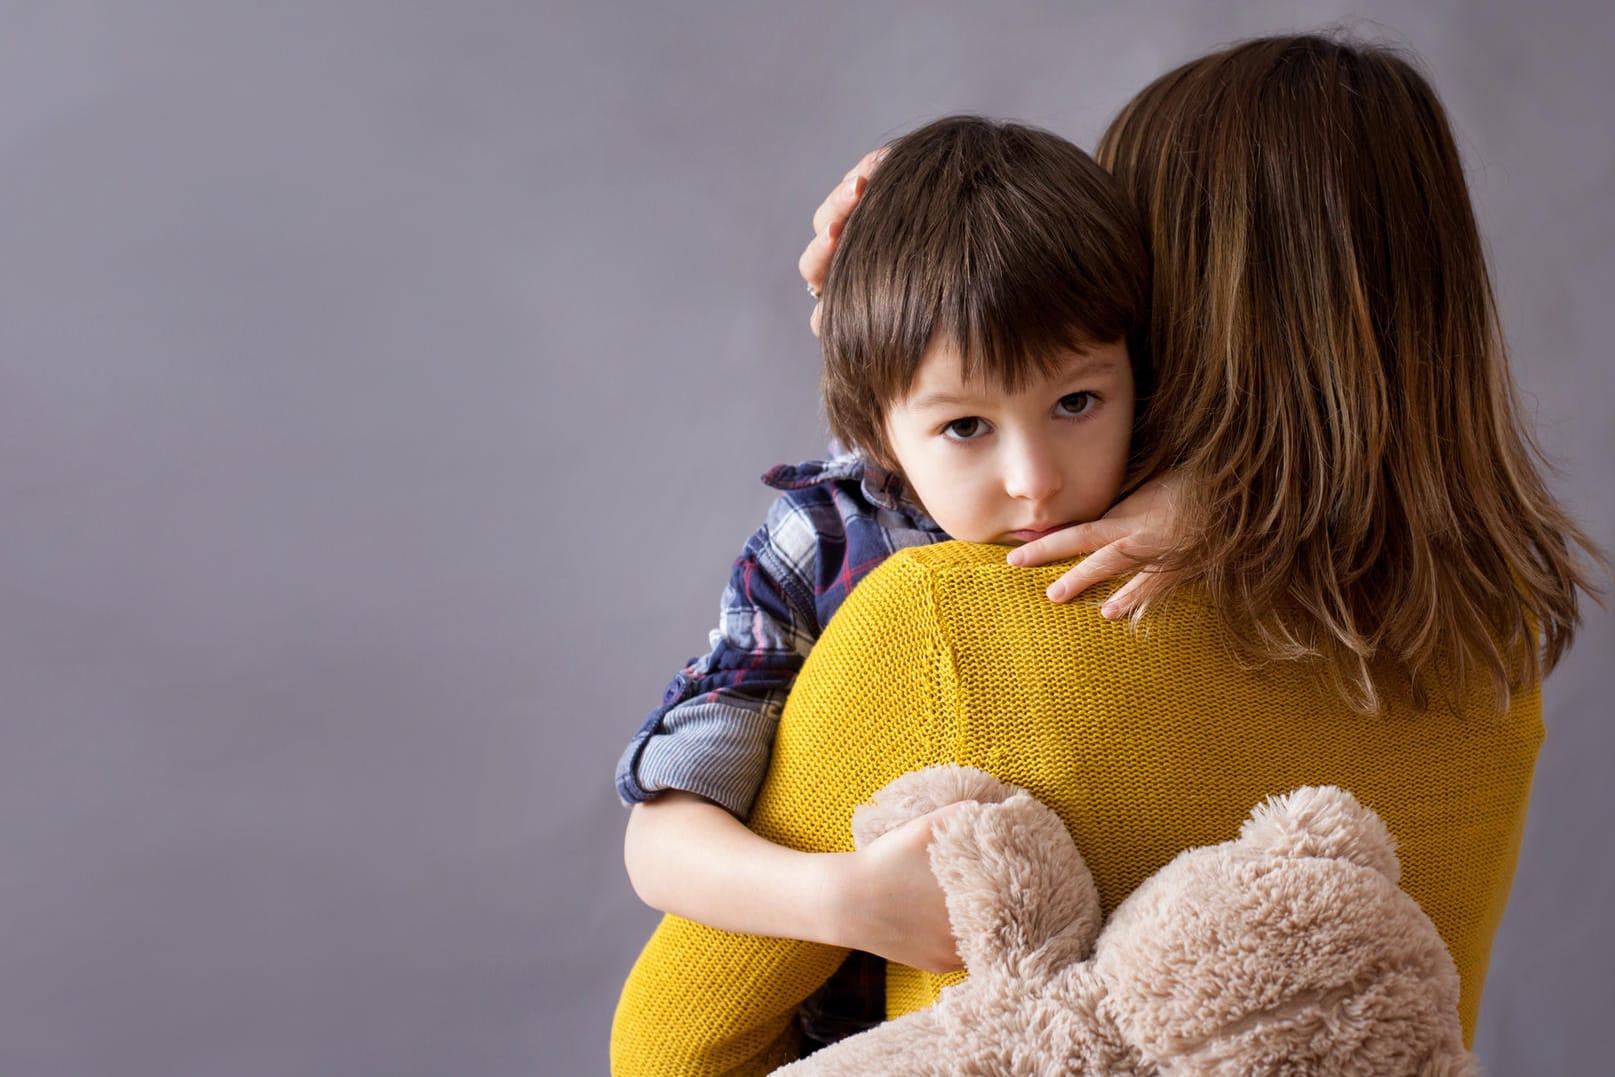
(938, 816)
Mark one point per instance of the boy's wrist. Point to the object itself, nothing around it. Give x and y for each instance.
(837, 902)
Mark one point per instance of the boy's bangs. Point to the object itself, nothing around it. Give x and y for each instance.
(1010, 350)
(1015, 310)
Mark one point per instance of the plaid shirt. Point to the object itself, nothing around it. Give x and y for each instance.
(834, 523)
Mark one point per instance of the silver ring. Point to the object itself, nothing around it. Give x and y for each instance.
(814, 291)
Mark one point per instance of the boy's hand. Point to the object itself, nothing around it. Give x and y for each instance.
(888, 902)
(1137, 529)
(828, 221)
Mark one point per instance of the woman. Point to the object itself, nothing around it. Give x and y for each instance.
(1363, 581)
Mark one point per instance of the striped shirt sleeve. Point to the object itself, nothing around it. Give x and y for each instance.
(714, 731)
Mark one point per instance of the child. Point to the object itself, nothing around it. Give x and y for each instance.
(976, 362)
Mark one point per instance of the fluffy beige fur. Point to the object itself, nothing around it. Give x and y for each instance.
(1289, 950)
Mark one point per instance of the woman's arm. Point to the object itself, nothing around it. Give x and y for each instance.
(691, 858)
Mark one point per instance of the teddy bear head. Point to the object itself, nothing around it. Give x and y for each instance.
(1289, 949)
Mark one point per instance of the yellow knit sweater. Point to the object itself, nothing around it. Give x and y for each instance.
(1144, 744)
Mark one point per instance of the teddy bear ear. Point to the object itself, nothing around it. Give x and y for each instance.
(1322, 821)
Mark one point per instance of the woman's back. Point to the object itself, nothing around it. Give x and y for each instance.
(1144, 743)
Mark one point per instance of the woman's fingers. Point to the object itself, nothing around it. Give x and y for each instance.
(814, 265)
(1148, 584)
(839, 205)
(868, 163)
(1101, 565)
(1137, 530)
(815, 260)
(1126, 597)
(828, 220)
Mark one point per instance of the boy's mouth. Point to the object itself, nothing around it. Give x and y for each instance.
(1032, 534)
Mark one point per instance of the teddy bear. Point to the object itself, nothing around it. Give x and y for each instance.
(1288, 950)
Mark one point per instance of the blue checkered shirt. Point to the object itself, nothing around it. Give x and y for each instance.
(835, 521)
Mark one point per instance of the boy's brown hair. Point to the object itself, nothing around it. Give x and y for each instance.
(1330, 375)
(1005, 240)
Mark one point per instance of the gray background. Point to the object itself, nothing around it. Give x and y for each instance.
(382, 391)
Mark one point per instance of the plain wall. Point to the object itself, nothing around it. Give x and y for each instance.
(383, 388)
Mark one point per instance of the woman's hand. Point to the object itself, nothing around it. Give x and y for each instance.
(887, 902)
(1137, 529)
(829, 219)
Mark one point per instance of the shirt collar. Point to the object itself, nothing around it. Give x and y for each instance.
(888, 489)
(882, 487)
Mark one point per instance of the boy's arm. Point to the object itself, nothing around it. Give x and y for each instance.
(712, 738)
(691, 858)
(714, 730)
(701, 1001)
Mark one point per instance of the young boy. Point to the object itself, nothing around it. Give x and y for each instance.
(975, 327)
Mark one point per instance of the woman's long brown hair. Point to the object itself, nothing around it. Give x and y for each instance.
(1330, 377)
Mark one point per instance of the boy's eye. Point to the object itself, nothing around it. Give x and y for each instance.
(1075, 403)
(964, 429)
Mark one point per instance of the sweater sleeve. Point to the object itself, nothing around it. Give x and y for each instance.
(869, 705)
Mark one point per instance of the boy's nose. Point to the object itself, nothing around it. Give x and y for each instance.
(1032, 473)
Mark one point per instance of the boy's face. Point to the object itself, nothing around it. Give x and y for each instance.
(993, 466)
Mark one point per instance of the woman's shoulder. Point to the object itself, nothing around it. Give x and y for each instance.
(969, 566)
(954, 554)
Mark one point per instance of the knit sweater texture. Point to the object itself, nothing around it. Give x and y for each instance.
(1144, 743)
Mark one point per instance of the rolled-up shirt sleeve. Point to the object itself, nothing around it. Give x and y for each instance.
(714, 731)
